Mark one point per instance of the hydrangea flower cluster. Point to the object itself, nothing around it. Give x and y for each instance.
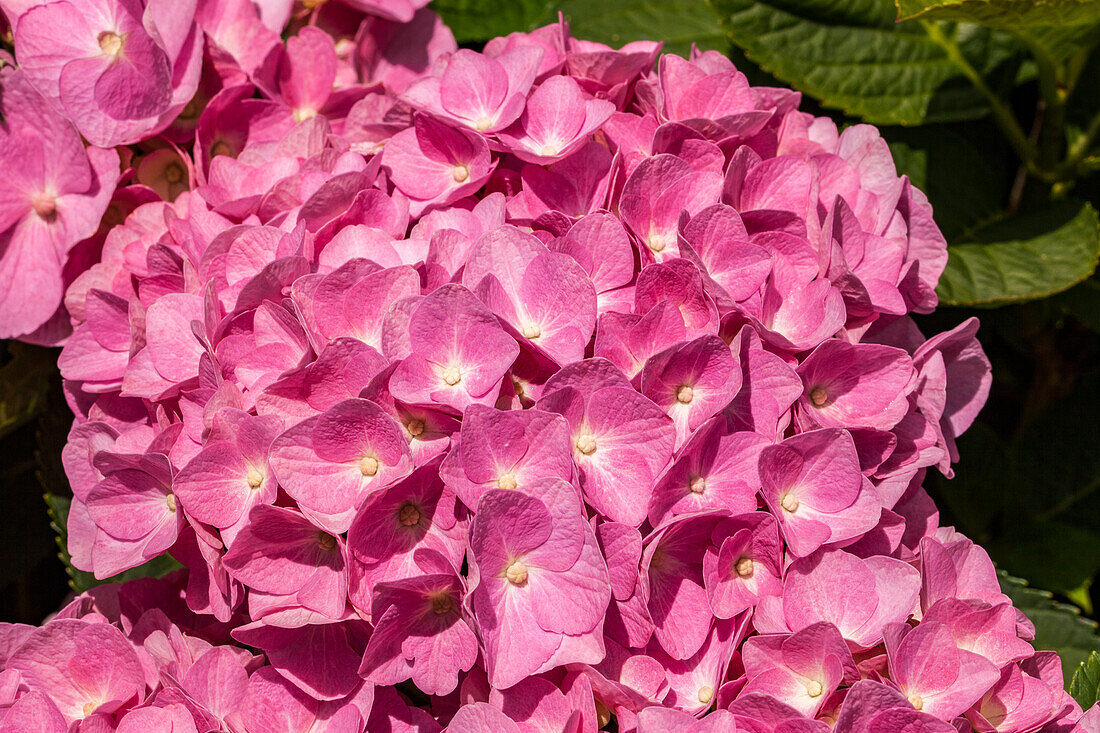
(513, 390)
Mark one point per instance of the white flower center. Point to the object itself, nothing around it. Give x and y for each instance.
(507, 482)
(516, 573)
(460, 173)
(814, 689)
(110, 43)
(170, 500)
(586, 444)
(368, 465)
(548, 151)
(706, 694)
(685, 394)
(917, 701)
(415, 427)
(484, 123)
(789, 502)
(452, 375)
(255, 478)
(532, 331)
(697, 485)
(744, 567)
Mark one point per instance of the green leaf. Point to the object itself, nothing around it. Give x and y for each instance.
(853, 56)
(1085, 686)
(1031, 256)
(679, 23)
(478, 20)
(58, 507)
(1059, 627)
(1054, 28)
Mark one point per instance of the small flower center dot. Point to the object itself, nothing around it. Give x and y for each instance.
(814, 689)
(173, 173)
(484, 123)
(516, 573)
(532, 331)
(326, 541)
(586, 444)
(685, 394)
(697, 485)
(818, 396)
(44, 205)
(409, 515)
(657, 243)
(452, 375)
(460, 173)
(368, 465)
(507, 482)
(706, 694)
(110, 43)
(415, 427)
(89, 708)
(442, 603)
(744, 567)
(917, 701)
(170, 500)
(255, 478)
(548, 151)
(221, 148)
(789, 502)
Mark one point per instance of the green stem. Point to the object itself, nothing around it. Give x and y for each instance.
(1002, 114)
(1054, 116)
(1080, 148)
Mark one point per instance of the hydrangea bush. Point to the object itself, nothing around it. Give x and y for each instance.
(530, 389)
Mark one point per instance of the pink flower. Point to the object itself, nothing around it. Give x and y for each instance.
(397, 525)
(498, 449)
(931, 671)
(742, 566)
(558, 119)
(419, 633)
(52, 198)
(655, 194)
(434, 164)
(483, 93)
(876, 591)
(854, 386)
(621, 440)
(121, 73)
(329, 463)
(813, 485)
(230, 475)
(541, 586)
(692, 382)
(458, 353)
(282, 553)
(801, 669)
(84, 667)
